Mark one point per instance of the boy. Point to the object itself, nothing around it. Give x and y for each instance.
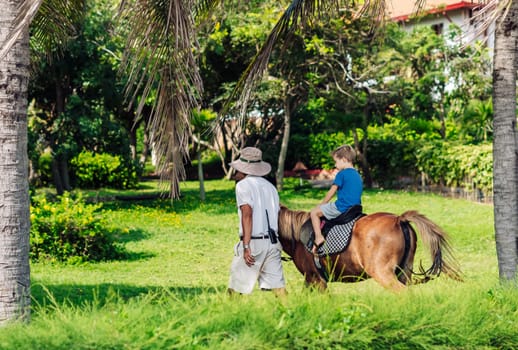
(348, 187)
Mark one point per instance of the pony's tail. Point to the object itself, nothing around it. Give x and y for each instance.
(437, 242)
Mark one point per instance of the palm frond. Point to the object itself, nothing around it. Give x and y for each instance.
(202, 8)
(374, 9)
(160, 63)
(419, 6)
(54, 25)
(51, 22)
(26, 13)
(298, 13)
(486, 15)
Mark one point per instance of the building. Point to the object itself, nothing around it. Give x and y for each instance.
(439, 14)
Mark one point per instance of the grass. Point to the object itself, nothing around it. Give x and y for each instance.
(170, 293)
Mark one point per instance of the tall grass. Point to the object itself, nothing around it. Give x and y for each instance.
(171, 292)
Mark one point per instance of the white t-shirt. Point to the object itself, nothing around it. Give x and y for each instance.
(261, 195)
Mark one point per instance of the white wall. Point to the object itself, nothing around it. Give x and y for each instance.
(459, 17)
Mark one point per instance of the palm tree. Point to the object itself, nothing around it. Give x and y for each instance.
(14, 185)
(505, 142)
(161, 60)
(53, 27)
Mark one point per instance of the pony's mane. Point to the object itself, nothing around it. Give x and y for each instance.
(290, 222)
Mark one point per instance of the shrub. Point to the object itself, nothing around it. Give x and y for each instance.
(93, 170)
(466, 166)
(71, 230)
(321, 145)
(41, 169)
(390, 159)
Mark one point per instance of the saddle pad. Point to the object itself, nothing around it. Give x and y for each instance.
(337, 239)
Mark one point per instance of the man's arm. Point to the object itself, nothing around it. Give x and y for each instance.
(246, 223)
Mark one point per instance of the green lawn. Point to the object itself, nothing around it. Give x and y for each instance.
(170, 292)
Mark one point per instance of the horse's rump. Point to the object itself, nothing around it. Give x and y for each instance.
(437, 241)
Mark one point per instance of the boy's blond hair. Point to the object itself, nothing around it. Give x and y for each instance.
(345, 152)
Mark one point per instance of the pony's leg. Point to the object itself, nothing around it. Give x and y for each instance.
(387, 278)
(306, 265)
(405, 275)
(316, 282)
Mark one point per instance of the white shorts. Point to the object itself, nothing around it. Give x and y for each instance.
(267, 269)
(330, 210)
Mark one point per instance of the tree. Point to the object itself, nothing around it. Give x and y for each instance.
(201, 123)
(505, 142)
(227, 47)
(351, 74)
(15, 17)
(477, 120)
(161, 60)
(78, 96)
(14, 186)
(291, 68)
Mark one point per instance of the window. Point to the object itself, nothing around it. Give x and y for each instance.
(438, 28)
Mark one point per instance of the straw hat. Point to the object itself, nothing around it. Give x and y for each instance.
(250, 162)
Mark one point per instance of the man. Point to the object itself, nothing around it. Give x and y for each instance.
(257, 257)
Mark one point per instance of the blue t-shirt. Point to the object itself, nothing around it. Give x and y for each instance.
(350, 188)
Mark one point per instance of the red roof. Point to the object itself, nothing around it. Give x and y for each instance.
(404, 9)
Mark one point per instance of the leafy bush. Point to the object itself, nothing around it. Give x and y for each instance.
(403, 149)
(390, 159)
(72, 231)
(321, 146)
(390, 156)
(391, 149)
(44, 168)
(467, 166)
(93, 170)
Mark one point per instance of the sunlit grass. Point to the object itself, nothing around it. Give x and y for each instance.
(171, 292)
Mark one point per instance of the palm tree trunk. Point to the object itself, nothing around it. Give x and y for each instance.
(65, 174)
(145, 148)
(14, 189)
(279, 176)
(132, 133)
(201, 177)
(505, 148)
(56, 176)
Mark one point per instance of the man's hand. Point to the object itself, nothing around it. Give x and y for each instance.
(247, 255)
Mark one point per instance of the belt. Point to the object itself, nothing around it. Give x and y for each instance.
(257, 237)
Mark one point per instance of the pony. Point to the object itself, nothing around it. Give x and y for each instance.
(382, 247)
